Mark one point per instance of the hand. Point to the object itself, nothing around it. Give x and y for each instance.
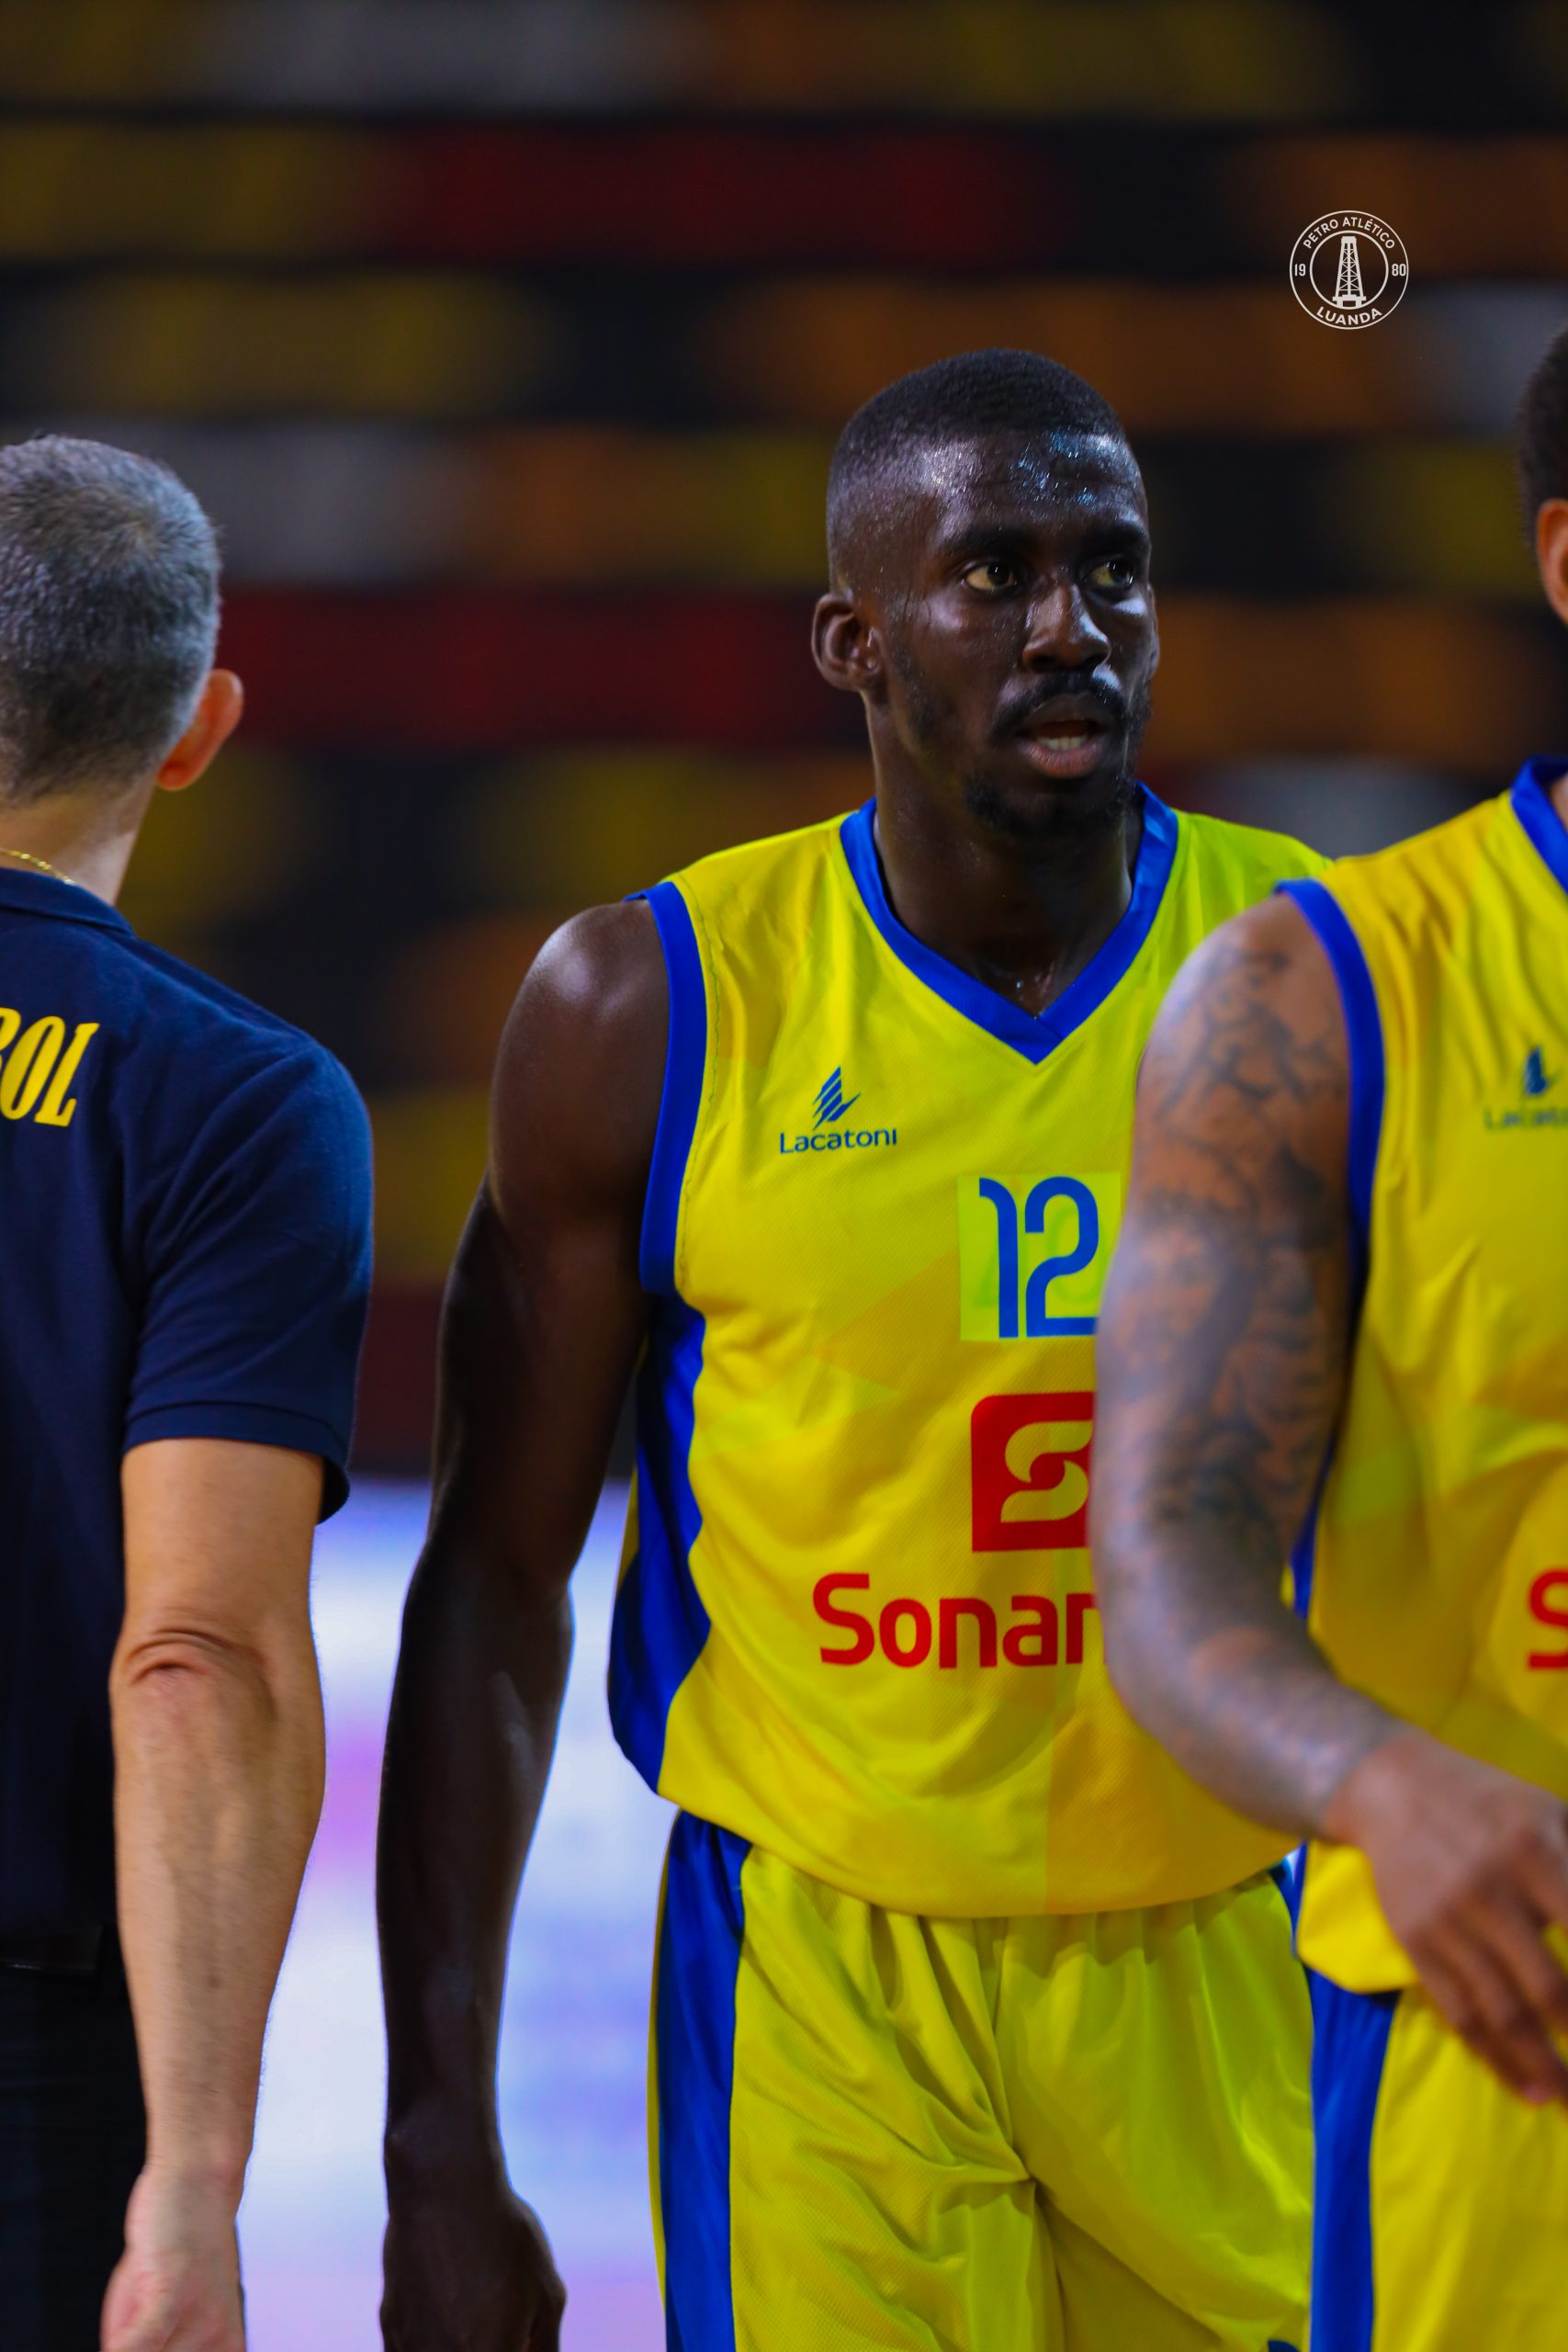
(1472, 1870)
(176, 2288)
(469, 2273)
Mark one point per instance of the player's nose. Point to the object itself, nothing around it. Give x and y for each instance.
(1062, 633)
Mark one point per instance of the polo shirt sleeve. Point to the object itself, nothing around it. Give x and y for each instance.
(257, 1270)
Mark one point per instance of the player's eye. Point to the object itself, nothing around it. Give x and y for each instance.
(1114, 575)
(994, 577)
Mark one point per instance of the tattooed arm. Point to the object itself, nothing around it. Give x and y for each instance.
(1222, 1348)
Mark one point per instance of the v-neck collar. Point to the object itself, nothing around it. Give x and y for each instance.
(1032, 1035)
(1533, 807)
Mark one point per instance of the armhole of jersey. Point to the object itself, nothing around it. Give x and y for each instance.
(1363, 1034)
(685, 1058)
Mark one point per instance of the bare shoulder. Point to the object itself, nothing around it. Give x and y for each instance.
(1248, 1055)
(580, 1067)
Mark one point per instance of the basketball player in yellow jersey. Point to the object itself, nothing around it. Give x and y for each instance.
(977, 2027)
(1342, 1292)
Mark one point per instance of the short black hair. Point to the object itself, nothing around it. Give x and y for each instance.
(1541, 439)
(962, 399)
(109, 615)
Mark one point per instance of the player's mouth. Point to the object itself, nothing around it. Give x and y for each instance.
(1058, 744)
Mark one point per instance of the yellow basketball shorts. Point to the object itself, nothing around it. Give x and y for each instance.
(1048, 2134)
(1442, 2198)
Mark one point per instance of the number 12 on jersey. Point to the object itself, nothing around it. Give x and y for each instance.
(1033, 1252)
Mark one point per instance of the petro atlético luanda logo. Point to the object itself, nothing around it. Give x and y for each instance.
(1349, 269)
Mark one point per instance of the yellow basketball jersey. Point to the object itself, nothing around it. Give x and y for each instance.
(1436, 1571)
(855, 1623)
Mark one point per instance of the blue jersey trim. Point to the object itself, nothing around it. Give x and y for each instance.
(1350, 2034)
(1532, 807)
(660, 1624)
(701, 1934)
(1032, 1035)
(1363, 1034)
(1304, 1555)
(685, 1060)
(1363, 1030)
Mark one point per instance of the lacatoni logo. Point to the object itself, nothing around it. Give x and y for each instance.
(830, 1109)
(1536, 1082)
(956, 1626)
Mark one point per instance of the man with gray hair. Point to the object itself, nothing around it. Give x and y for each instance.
(183, 1262)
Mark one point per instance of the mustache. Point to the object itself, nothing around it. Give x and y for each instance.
(1113, 705)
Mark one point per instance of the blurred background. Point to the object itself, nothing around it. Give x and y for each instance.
(507, 341)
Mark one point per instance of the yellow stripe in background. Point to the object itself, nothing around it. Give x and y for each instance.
(99, 190)
(1483, 208)
(434, 344)
(586, 503)
(1207, 61)
(1172, 359)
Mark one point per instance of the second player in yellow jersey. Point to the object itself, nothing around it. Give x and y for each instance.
(1436, 1568)
(1343, 1269)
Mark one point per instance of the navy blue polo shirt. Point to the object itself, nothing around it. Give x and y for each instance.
(185, 1247)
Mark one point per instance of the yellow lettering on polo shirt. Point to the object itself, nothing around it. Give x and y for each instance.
(37, 1067)
(56, 1110)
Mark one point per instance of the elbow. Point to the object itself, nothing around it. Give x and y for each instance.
(182, 1668)
(186, 1654)
(174, 1657)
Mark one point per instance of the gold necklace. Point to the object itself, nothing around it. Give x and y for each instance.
(41, 862)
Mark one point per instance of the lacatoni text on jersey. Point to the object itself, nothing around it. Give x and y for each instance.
(836, 1139)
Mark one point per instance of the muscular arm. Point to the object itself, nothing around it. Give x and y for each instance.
(217, 1715)
(1221, 1359)
(543, 1318)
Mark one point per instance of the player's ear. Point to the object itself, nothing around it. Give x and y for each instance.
(1552, 553)
(847, 652)
(214, 719)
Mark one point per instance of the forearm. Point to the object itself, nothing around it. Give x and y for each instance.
(219, 1759)
(474, 1719)
(1228, 1678)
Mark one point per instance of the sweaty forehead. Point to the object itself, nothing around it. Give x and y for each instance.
(891, 522)
(1022, 480)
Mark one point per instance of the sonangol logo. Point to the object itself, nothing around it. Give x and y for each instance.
(831, 1105)
(1030, 1471)
(1349, 269)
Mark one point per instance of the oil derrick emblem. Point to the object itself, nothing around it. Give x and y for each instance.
(1350, 270)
